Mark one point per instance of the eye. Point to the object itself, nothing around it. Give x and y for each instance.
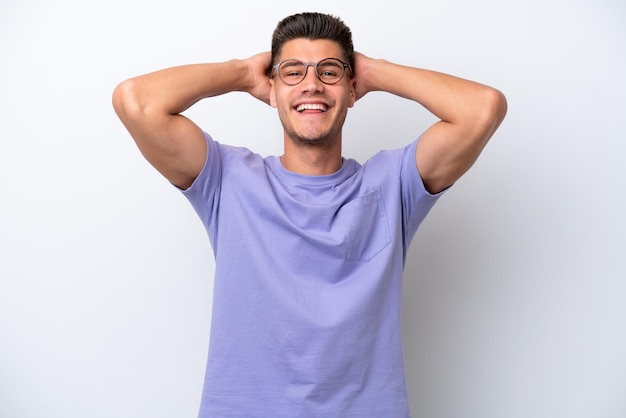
(291, 69)
(292, 73)
(329, 73)
(330, 69)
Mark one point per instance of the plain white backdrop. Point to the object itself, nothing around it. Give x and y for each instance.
(515, 289)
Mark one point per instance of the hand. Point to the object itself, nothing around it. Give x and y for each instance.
(362, 65)
(259, 66)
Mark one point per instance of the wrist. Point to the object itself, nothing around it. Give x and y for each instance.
(374, 75)
(241, 74)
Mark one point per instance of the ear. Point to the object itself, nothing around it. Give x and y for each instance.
(272, 93)
(352, 93)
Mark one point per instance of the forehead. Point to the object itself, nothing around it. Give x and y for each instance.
(311, 50)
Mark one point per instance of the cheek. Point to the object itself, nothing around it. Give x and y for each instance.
(348, 99)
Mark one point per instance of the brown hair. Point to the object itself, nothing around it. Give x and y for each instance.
(313, 26)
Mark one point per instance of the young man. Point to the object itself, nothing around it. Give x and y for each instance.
(309, 246)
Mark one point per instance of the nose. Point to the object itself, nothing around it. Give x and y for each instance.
(311, 78)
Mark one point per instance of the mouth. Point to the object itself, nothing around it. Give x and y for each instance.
(311, 107)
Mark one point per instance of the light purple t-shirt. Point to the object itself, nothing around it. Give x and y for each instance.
(307, 293)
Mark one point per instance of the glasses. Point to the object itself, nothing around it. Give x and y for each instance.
(328, 70)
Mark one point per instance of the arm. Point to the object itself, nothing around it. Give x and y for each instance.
(469, 114)
(149, 106)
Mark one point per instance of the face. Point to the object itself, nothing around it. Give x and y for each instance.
(312, 113)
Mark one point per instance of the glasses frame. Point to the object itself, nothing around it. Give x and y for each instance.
(275, 67)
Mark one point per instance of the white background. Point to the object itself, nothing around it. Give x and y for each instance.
(515, 295)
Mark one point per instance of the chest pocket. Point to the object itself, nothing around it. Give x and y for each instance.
(367, 231)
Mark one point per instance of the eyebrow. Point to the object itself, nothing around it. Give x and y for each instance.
(294, 61)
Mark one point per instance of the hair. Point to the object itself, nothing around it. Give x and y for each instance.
(313, 26)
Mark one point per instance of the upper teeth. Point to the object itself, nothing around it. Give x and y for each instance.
(311, 106)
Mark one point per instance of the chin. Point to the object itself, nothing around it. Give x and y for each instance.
(318, 140)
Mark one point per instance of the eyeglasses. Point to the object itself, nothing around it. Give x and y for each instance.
(328, 70)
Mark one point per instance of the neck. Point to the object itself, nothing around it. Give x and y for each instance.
(312, 160)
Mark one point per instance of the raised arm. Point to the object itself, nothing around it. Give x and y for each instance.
(150, 107)
(469, 114)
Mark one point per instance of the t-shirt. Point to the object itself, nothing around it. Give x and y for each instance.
(306, 317)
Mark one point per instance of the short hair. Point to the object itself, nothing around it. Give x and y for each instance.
(313, 26)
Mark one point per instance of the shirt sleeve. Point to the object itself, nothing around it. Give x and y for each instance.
(203, 194)
(416, 200)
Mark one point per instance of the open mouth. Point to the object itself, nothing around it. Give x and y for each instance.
(317, 107)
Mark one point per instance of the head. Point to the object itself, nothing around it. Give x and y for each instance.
(313, 26)
(312, 112)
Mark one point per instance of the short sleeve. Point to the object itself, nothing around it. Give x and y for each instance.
(203, 194)
(416, 200)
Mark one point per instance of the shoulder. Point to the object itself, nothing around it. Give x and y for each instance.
(221, 159)
(226, 155)
(399, 167)
(397, 162)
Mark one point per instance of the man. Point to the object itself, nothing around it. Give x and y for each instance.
(309, 246)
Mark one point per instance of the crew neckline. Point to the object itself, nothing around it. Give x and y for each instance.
(347, 168)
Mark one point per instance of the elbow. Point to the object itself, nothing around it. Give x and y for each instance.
(125, 100)
(489, 113)
(495, 109)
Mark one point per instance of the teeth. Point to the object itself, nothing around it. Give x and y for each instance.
(311, 106)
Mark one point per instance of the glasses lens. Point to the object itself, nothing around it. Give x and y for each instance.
(330, 70)
(291, 72)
